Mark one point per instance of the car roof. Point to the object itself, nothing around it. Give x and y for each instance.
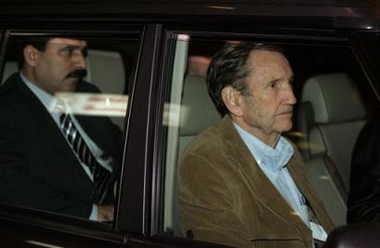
(357, 14)
(350, 8)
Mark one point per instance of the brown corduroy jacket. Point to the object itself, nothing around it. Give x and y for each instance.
(224, 197)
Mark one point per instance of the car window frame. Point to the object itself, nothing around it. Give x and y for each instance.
(53, 220)
(338, 37)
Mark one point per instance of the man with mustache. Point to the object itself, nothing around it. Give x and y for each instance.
(241, 183)
(38, 166)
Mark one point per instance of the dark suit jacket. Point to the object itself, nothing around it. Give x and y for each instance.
(38, 169)
(224, 196)
(364, 197)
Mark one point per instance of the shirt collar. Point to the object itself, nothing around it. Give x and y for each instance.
(42, 95)
(267, 157)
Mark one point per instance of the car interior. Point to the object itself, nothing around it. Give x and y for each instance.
(331, 120)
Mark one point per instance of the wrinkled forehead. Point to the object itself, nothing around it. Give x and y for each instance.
(268, 60)
(267, 57)
(67, 42)
(267, 66)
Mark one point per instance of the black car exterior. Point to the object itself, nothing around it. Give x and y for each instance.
(151, 36)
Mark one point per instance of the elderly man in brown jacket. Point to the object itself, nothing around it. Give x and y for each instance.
(241, 183)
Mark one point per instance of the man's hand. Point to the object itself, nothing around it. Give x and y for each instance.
(105, 213)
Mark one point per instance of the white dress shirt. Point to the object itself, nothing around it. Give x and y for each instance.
(48, 100)
(273, 163)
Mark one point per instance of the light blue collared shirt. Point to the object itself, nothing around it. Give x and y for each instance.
(273, 163)
(47, 100)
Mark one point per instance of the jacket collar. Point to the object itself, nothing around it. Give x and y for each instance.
(255, 178)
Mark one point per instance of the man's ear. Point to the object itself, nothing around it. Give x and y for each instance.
(232, 99)
(30, 55)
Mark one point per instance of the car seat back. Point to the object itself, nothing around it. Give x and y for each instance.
(331, 115)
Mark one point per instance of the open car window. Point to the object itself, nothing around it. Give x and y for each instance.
(49, 167)
(334, 97)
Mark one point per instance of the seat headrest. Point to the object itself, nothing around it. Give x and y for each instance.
(105, 69)
(10, 67)
(334, 98)
(201, 112)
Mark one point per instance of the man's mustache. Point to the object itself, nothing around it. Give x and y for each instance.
(79, 73)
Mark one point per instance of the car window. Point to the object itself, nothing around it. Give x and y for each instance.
(334, 97)
(61, 150)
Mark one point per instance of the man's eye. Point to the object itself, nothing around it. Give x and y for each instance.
(71, 51)
(68, 50)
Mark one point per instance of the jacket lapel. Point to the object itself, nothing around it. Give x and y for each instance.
(254, 177)
(49, 132)
(317, 210)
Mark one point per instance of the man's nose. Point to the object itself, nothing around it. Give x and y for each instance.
(79, 59)
(290, 97)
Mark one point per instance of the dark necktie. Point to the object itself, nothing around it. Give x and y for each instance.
(101, 176)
